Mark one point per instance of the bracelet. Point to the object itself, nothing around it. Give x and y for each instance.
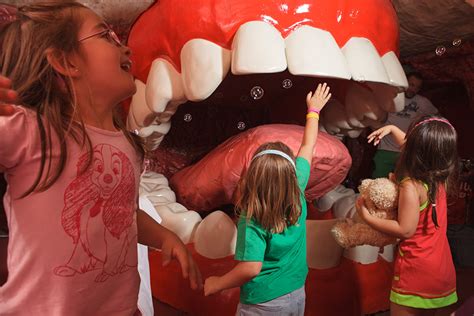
(312, 115)
(314, 110)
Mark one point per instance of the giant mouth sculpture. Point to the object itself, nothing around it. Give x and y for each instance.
(207, 70)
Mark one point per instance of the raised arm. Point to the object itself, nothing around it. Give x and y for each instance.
(315, 102)
(380, 133)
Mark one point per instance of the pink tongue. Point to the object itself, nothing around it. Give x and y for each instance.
(211, 182)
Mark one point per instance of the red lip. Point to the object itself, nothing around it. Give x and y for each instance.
(166, 26)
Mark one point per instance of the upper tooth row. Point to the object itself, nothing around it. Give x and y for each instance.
(258, 47)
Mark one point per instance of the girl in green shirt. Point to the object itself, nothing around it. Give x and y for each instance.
(271, 238)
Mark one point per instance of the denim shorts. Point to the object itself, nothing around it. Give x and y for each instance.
(289, 304)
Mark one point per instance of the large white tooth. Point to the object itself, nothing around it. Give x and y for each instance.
(174, 216)
(345, 207)
(394, 69)
(354, 133)
(163, 196)
(155, 127)
(215, 236)
(177, 208)
(364, 61)
(182, 224)
(399, 102)
(203, 67)
(387, 97)
(328, 200)
(139, 113)
(388, 253)
(323, 252)
(151, 181)
(163, 85)
(361, 103)
(334, 117)
(364, 254)
(154, 134)
(258, 48)
(314, 52)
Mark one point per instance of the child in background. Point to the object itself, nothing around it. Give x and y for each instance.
(271, 239)
(424, 276)
(72, 168)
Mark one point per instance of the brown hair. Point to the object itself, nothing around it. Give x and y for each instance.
(269, 192)
(430, 155)
(24, 42)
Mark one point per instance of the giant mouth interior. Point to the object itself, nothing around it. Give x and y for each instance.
(200, 84)
(198, 127)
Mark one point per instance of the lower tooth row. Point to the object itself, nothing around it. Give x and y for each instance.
(215, 236)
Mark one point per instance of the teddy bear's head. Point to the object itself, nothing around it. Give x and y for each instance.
(380, 193)
(381, 198)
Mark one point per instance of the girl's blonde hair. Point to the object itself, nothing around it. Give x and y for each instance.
(269, 191)
(39, 27)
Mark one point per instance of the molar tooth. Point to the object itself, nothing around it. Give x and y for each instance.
(394, 69)
(399, 102)
(204, 66)
(388, 253)
(182, 224)
(154, 190)
(177, 208)
(215, 236)
(328, 200)
(387, 97)
(323, 250)
(163, 196)
(334, 117)
(360, 104)
(345, 207)
(364, 254)
(364, 61)
(258, 48)
(314, 52)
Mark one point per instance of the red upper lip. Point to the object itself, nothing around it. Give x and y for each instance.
(166, 26)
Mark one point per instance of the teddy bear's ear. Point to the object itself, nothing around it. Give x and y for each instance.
(364, 185)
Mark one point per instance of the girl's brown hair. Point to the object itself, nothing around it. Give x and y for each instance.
(269, 191)
(39, 27)
(430, 156)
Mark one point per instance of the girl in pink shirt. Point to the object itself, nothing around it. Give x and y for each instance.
(72, 168)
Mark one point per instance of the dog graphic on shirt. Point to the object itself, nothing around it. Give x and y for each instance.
(98, 213)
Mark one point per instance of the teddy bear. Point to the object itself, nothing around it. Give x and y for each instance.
(381, 198)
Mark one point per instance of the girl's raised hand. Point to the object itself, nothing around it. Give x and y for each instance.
(7, 96)
(377, 135)
(320, 97)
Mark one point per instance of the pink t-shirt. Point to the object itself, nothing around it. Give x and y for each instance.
(72, 248)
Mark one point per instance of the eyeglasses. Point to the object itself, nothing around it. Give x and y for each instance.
(108, 34)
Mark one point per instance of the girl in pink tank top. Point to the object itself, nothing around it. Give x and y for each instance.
(424, 275)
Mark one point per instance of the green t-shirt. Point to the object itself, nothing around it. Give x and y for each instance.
(283, 255)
